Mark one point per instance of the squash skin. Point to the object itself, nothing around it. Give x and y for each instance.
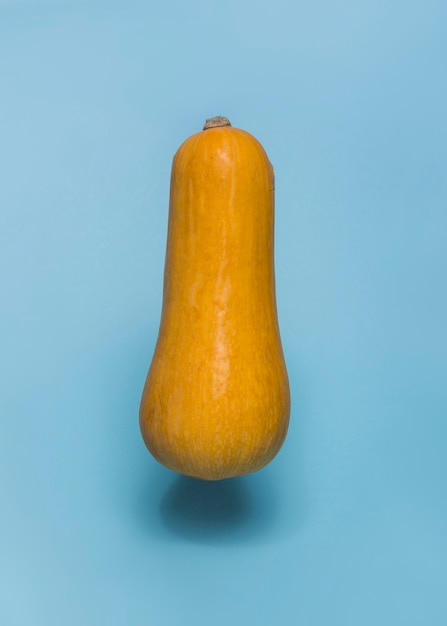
(216, 401)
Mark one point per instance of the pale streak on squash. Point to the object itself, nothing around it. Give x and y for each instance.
(216, 401)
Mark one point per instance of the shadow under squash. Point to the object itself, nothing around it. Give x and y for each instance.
(214, 511)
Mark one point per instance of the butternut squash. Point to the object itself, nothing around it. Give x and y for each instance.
(216, 400)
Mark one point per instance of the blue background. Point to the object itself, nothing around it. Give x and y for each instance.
(348, 526)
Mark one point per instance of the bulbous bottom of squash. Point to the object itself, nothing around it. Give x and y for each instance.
(215, 458)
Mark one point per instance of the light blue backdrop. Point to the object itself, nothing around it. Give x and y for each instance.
(348, 526)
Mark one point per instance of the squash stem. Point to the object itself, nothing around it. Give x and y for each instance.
(215, 122)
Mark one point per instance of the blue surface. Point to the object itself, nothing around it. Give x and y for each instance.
(348, 526)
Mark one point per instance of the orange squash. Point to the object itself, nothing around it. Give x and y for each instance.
(216, 401)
